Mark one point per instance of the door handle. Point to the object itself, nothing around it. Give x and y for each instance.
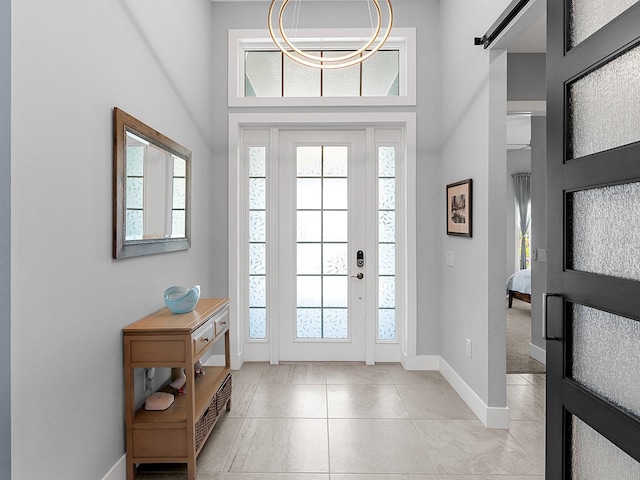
(359, 276)
(545, 296)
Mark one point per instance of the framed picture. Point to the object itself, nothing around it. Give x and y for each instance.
(459, 203)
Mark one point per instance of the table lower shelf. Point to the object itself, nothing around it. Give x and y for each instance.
(163, 436)
(206, 388)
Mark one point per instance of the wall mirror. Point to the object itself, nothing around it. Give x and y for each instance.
(152, 187)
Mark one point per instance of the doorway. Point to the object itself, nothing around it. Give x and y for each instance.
(318, 252)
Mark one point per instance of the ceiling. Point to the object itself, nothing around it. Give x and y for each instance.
(532, 40)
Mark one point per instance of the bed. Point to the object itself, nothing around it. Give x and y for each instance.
(519, 286)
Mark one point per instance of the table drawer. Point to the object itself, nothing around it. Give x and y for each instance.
(221, 322)
(202, 338)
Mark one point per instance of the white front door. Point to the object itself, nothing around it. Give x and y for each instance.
(323, 268)
(321, 239)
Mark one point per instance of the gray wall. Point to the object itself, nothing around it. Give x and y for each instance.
(472, 296)
(5, 238)
(526, 76)
(424, 16)
(72, 62)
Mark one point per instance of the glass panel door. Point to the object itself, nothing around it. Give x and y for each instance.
(593, 316)
(322, 222)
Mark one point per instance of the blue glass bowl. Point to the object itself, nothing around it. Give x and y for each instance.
(181, 299)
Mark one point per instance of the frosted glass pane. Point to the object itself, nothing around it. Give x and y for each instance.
(386, 292)
(380, 74)
(309, 323)
(309, 161)
(179, 167)
(335, 161)
(309, 291)
(336, 194)
(257, 193)
(179, 192)
(386, 161)
(340, 82)
(299, 80)
(257, 323)
(335, 292)
(309, 193)
(335, 323)
(178, 224)
(603, 239)
(387, 194)
(335, 228)
(257, 259)
(135, 223)
(387, 227)
(135, 192)
(387, 259)
(257, 161)
(309, 258)
(257, 227)
(135, 160)
(604, 106)
(263, 77)
(335, 259)
(593, 457)
(588, 16)
(386, 324)
(309, 227)
(257, 291)
(610, 372)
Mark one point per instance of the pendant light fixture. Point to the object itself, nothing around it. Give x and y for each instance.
(283, 42)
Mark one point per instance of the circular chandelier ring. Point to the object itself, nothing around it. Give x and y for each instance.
(332, 59)
(329, 62)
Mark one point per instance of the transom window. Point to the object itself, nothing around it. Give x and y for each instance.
(260, 75)
(272, 74)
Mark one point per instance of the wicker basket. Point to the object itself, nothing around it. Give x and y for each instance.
(205, 422)
(224, 394)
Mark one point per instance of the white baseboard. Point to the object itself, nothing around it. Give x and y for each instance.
(538, 353)
(420, 362)
(118, 471)
(215, 361)
(491, 417)
(219, 361)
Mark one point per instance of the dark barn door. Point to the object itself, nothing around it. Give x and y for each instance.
(593, 247)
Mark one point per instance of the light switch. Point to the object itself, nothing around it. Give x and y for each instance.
(542, 255)
(449, 261)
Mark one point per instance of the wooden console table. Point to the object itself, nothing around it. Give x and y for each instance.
(165, 339)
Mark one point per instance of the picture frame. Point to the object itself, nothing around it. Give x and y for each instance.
(459, 208)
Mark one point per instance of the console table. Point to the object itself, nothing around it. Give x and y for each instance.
(165, 339)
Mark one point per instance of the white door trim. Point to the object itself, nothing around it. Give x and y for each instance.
(407, 325)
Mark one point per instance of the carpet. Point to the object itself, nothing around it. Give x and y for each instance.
(518, 340)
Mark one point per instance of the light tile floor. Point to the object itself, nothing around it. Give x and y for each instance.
(355, 422)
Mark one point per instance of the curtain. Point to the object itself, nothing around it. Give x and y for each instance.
(522, 189)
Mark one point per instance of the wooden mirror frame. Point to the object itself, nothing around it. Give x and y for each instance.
(123, 247)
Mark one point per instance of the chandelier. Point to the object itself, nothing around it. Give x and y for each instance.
(286, 46)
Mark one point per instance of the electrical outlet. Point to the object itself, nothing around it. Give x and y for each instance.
(468, 348)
